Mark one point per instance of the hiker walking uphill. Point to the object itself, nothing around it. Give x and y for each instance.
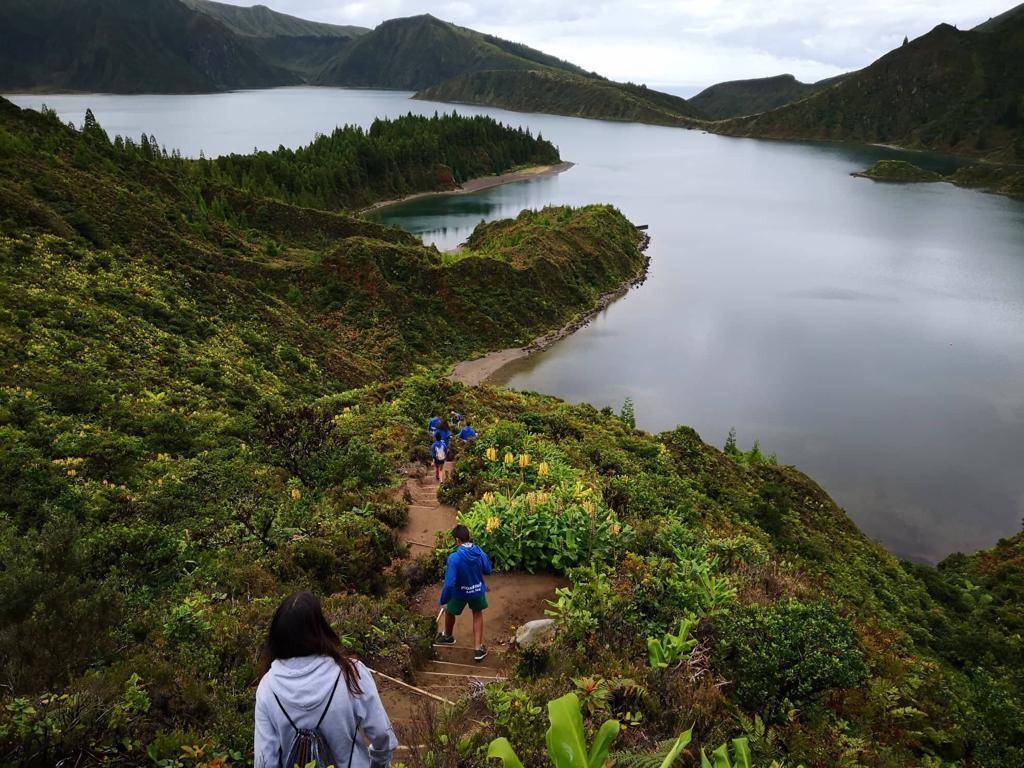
(467, 433)
(316, 705)
(439, 452)
(464, 585)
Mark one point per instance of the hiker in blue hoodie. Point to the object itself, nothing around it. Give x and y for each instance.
(433, 424)
(443, 432)
(464, 585)
(439, 452)
(467, 433)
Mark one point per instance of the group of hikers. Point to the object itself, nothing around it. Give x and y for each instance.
(440, 431)
(304, 715)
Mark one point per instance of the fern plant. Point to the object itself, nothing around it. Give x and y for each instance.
(666, 756)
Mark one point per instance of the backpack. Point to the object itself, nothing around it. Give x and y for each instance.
(309, 747)
(440, 451)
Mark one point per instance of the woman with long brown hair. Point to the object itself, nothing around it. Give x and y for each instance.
(300, 696)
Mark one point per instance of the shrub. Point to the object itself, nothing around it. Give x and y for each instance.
(546, 530)
(787, 655)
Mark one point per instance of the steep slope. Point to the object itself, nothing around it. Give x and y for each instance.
(737, 98)
(949, 90)
(158, 46)
(303, 47)
(563, 93)
(419, 51)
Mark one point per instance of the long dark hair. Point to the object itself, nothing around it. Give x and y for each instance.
(299, 628)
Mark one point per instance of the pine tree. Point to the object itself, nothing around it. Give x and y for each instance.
(628, 413)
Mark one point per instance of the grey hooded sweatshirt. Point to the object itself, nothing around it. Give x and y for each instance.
(303, 685)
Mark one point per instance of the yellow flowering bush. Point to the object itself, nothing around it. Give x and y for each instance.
(545, 530)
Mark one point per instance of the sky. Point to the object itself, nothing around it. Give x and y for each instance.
(687, 44)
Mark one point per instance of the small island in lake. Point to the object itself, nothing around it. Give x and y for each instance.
(898, 170)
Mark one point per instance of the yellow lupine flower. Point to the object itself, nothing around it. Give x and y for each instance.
(296, 494)
(492, 454)
(589, 508)
(72, 472)
(509, 459)
(524, 460)
(616, 529)
(543, 469)
(489, 497)
(493, 524)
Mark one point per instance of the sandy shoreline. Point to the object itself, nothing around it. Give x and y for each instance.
(480, 370)
(480, 183)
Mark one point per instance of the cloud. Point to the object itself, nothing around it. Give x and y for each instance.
(682, 42)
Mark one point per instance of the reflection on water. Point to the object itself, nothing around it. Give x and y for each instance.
(871, 334)
(447, 220)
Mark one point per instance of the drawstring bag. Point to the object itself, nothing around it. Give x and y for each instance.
(309, 748)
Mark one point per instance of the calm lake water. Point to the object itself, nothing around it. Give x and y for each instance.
(872, 335)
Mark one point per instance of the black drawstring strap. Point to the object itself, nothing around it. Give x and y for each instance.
(329, 700)
(322, 715)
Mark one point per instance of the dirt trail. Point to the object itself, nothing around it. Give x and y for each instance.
(513, 598)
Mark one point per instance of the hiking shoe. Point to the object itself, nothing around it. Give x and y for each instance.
(443, 639)
(480, 653)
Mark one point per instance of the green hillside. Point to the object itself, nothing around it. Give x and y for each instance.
(145, 46)
(208, 399)
(419, 51)
(949, 90)
(750, 97)
(297, 45)
(563, 93)
(261, 21)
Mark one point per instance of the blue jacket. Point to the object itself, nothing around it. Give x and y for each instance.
(467, 433)
(434, 423)
(444, 435)
(464, 579)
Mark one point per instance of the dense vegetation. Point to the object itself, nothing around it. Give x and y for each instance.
(563, 93)
(750, 97)
(949, 90)
(180, 443)
(352, 167)
(143, 46)
(796, 628)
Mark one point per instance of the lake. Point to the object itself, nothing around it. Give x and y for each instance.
(871, 334)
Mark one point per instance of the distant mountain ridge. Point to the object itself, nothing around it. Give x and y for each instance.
(950, 90)
(261, 21)
(737, 98)
(564, 93)
(142, 46)
(299, 46)
(420, 51)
